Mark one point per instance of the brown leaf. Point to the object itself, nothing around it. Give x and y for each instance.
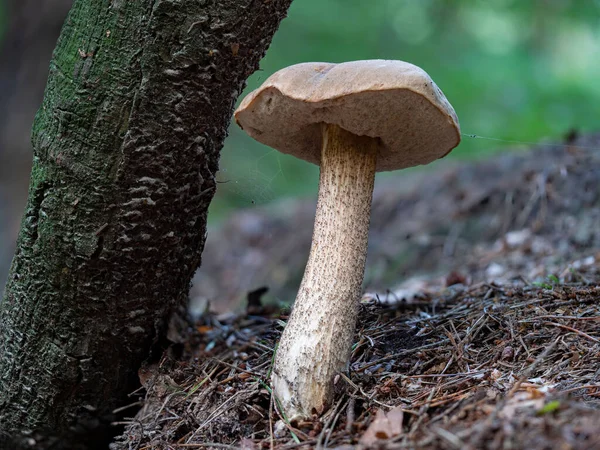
(247, 444)
(146, 373)
(385, 426)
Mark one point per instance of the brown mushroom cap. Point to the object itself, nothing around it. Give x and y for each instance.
(391, 100)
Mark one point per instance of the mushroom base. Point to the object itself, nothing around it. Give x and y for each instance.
(316, 343)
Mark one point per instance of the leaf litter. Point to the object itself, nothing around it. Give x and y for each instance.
(492, 341)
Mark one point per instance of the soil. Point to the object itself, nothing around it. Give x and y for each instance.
(479, 328)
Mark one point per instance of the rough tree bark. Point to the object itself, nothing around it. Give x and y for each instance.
(126, 147)
(25, 49)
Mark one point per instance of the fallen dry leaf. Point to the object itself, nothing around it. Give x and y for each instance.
(385, 426)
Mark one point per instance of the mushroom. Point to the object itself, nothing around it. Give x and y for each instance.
(353, 119)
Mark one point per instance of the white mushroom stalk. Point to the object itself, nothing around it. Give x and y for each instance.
(315, 345)
(352, 119)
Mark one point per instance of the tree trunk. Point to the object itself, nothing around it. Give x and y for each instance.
(126, 146)
(25, 49)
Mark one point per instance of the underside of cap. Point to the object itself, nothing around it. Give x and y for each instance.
(393, 101)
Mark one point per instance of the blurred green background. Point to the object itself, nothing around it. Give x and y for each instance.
(512, 69)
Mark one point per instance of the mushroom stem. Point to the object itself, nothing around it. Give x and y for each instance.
(317, 340)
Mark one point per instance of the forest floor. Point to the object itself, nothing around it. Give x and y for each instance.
(479, 328)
